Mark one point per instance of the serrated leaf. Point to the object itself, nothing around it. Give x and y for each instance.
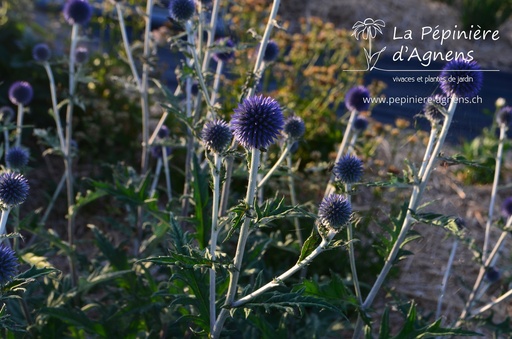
(310, 244)
(116, 256)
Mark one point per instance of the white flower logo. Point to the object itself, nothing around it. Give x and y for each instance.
(368, 30)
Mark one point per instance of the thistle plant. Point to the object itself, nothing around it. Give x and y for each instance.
(13, 192)
(8, 265)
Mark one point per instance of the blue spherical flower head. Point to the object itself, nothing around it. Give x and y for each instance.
(77, 12)
(349, 169)
(504, 116)
(6, 114)
(227, 53)
(257, 122)
(357, 99)
(8, 264)
(17, 157)
(182, 10)
(271, 51)
(360, 124)
(13, 189)
(294, 127)
(506, 208)
(461, 78)
(41, 52)
(492, 274)
(435, 109)
(21, 93)
(81, 54)
(216, 135)
(334, 212)
(163, 132)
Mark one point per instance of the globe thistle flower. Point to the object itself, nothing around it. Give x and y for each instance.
(435, 109)
(8, 265)
(216, 135)
(349, 169)
(360, 124)
(77, 12)
(271, 51)
(17, 157)
(294, 127)
(504, 116)
(13, 189)
(227, 54)
(334, 211)
(41, 52)
(21, 93)
(156, 151)
(257, 122)
(506, 208)
(81, 54)
(182, 10)
(357, 99)
(6, 114)
(461, 78)
(492, 274)
(163, 132)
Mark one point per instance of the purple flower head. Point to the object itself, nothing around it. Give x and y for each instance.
(257, 121)
(13, 189)
(163, 132)
(349, 169)
(216, 135)
(360, 124)
(461, 78)
(41, 52)
(294, 127)
(435, 109)
(492, 274)
(182, 10)
(6, 114)
(271, 52)
(226, 53)
(77, 12)
(334, 211)
(504, 116)
(357, 99)
(21, 93)
(506, 208)
(81, 54)
(17, 157)
(8, 264)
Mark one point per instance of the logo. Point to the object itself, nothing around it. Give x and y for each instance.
(368, 29)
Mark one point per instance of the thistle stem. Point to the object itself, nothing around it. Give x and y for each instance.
(293, 198)
(351, 253)
(3, 220)
(19, 125)
(158, 169)
(499, 157)
(56, 114)
(285, 152)
(492, 304)
(277, 281)
(214, 234)
(165, 161)
(447, 273)
(126, 44)
(413, 204)
(216, 82)
(54, 198)
(211, 36)
(428, 150)
(244, 232)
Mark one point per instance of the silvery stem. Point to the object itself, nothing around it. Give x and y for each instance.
(143, 89)
(167, 172)
(285, 152)
(413, 204)
(126, 44)
(244, 232)
(214, 234)
(19, 125)
(158, 169)
(277, 281)
(351, 253)
(444, 283)
(293, 198)
(54, 198)
(56, 115)
(499, 157)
